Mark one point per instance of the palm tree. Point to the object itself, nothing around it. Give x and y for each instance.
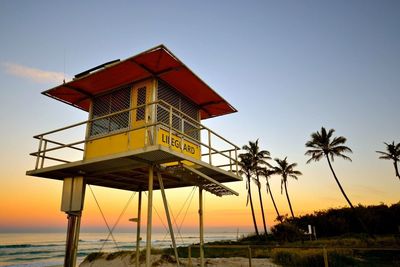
(286, 170)
(322, 145)
(246, 165)
(267, 175)
(258, 158)
(393, 153)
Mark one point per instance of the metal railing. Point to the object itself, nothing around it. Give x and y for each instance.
(215, 149)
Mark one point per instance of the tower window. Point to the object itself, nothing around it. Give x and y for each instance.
(141, 100)
(190, 110)
(108, 104)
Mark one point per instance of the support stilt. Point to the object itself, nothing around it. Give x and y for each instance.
(74, 221)
(72, 204)
(201, 227)
(149, 216)
(138, 229)
(171, 230)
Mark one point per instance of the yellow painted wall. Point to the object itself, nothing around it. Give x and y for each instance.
(106, 146)
(125, 141)
(189, 148)
(135, 139)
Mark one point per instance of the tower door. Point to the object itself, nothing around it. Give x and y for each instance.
(142, 115)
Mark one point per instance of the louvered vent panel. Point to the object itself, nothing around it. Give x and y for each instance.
(189, 109)
(108, 104)
(168, 94)
(181, 122)
(141, 100)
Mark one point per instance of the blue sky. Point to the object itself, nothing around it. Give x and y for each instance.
(289, 67)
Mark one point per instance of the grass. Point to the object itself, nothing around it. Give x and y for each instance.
(347, 250)
(351, 241)
(312, 257)
(93, 256)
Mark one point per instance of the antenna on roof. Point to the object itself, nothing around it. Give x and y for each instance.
(64, 66)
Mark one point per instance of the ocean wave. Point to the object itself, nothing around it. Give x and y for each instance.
(29, 258)
(47, 263)
(27, 246)
(127, 247)
(34, 252)
(50, 250)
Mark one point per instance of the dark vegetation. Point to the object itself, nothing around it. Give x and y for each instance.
(338, 232)
(353, 236)
(380, 220)
(313, 257)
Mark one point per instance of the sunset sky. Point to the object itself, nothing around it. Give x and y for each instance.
(289, 67)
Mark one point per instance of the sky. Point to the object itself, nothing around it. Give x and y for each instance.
(288, 67)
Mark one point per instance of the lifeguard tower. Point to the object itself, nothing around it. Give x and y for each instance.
(144, 120)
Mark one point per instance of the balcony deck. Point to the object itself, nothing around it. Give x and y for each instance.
(129, 170)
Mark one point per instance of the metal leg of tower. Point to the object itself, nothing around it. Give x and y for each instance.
(201, 227)
(138, 229)
(73, 196)
(171, 230)
(149, 216)
(74, 221)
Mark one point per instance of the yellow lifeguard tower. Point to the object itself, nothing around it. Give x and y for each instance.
(145, 117)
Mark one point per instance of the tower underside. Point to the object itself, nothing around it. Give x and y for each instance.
(129, 171)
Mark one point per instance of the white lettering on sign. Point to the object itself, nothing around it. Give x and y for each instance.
(177, 143)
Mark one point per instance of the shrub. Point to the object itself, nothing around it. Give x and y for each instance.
(286, 231)
(93, 256)
(117, 254)
(312, 257)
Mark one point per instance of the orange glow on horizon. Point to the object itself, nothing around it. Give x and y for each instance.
(35, 203)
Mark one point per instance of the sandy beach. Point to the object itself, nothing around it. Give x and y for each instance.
(158, 260)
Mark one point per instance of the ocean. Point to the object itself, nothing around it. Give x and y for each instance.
(47, 249)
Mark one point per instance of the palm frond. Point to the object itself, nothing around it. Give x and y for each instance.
(397, 148)
(384, 155)
(322, 144)
(338, 141)
(341, 149)
(296, 173)
(316, 156)
(257, 182)
(310, 152)
(393, 151)
(312, 144)
(291, 166)
(330, 133)
(285, 169)
(345, 157)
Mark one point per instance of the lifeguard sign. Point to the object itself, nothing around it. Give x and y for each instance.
(145, 116)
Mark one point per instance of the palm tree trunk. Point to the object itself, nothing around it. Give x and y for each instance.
(348, 200)
(273, 201)
(338, 183)
(251, 206)
(396, 169)
(287, 196)
(261, 204)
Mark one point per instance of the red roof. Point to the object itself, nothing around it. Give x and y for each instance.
(157, 62)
